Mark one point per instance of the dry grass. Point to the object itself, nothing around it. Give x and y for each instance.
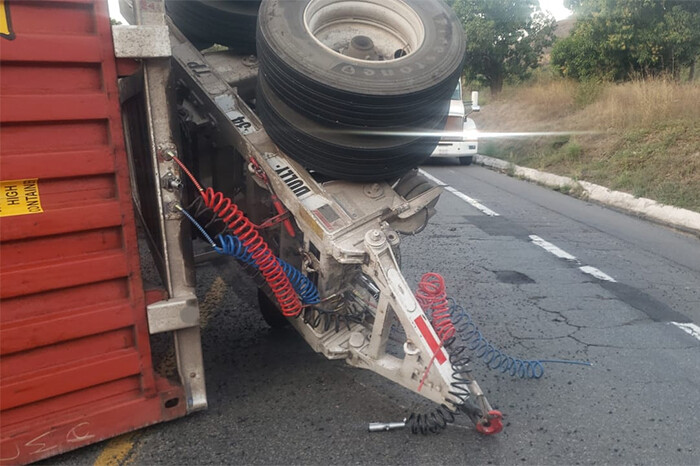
(644, 103)
(642, 137)
(544, 101)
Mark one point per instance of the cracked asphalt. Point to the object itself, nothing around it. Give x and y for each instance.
(274, 401)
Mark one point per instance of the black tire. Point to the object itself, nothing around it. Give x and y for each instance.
(270, 312)
(315, 93)
(466, 160)
(410, 186)
(335, 152)
(227, 22)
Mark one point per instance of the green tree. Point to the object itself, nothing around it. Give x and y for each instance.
(505, 38)
(616, 39)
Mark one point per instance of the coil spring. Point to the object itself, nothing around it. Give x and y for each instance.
(432, 297)
(261, 254)
(493, 357)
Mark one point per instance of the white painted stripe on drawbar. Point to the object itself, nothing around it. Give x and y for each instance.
(691, 329)
(599, 274)
(549, 247)
(471, 201)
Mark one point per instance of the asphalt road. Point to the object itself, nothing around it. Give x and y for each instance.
(549, 277)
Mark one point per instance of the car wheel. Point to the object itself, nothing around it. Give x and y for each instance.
(357, 89)
(227, 22)
(466, 160)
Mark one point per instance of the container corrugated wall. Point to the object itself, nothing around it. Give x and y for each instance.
(75, 362)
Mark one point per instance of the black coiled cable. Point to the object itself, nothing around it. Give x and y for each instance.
(436, 420)
(346, 312)
(431, 296)
(207, 218)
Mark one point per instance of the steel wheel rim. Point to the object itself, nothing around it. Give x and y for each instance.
(365, 31)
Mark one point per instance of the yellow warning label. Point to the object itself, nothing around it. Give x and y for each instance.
(19, 197)
(5, 21)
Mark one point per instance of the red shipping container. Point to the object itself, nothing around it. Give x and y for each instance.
(75, 360)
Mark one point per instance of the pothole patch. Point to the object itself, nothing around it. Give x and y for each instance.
(512, 277)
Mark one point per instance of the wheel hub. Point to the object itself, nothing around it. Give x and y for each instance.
(365, 30)
(362, 48)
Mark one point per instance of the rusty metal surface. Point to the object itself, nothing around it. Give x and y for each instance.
(75, 356)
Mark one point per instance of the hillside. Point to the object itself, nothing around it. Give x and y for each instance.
(640, 137)
(564, 28)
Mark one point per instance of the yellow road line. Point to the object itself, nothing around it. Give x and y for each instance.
(120, 451)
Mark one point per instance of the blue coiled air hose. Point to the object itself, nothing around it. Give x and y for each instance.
(493, 357)
(231, 245)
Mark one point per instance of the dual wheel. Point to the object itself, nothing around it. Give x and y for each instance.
(352, 89)
(357, 90)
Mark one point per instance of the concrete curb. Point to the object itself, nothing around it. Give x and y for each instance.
(683, 219)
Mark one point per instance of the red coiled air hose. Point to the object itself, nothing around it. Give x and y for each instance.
(266, 262)
(246, 231)
(432, 297)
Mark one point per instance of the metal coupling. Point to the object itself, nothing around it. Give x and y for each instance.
(171, 182)
(167, 153)
(384, 426)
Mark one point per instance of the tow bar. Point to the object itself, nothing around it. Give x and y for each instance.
(345, 238)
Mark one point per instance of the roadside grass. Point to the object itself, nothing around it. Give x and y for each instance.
(641, 137)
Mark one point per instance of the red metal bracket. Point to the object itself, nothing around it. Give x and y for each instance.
(282, 213)
(276, 220)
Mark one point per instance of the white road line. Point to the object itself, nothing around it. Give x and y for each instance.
(690, 329)
(561, 254)
(549, 247)
(546, 245)
(600, 275)
(471, 201)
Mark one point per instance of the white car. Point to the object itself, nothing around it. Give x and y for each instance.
(460, 134)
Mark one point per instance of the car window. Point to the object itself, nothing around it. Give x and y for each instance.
(457, 94)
